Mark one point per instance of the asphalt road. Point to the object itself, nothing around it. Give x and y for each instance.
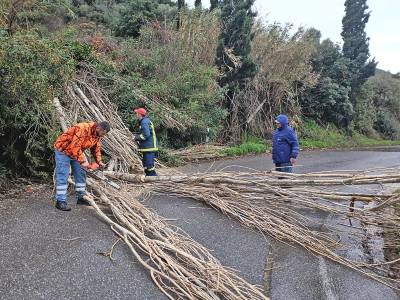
(47, 254)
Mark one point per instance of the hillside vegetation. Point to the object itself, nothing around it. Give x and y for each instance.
(216, 74)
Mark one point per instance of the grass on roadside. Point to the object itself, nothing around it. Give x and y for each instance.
(317, 137)
(169, 159)
(250, 145)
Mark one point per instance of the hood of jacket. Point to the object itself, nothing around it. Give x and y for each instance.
(283, 120)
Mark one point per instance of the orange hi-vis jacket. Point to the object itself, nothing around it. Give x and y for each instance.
(77, 139)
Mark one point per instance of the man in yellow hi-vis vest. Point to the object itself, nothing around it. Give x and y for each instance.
(147, 141)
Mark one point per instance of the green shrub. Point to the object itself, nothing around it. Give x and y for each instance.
(133, 16)
(33, 70)
(159, 66)
(314, 136)
(169, 159)
(378, 108)
(81, 51)
(388, 126)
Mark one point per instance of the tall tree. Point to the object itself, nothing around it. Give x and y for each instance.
(213, 4)
(197, 3)
(233, 52)
(181, 5)
(328, 100)
(356, 44)
(233, 57)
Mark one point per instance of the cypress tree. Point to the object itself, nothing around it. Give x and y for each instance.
(181, 5)
(356, 44)
(233, 55)
(213, 4)
(197, 3)
(235, 39)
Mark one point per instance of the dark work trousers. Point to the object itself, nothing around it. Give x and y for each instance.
(148, 163)
(284, 167)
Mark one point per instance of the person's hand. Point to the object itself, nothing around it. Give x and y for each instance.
(93, 166)
(85, 165)
(292, 160)
(102, 165)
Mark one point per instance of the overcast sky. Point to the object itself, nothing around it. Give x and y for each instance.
(383, 27)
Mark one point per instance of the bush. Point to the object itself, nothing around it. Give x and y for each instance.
(366, 112)
(388, 126)
(81, 51)
(174, 80)
(284, 73)
(169, 159)
(329, 100)
(33, 70)
(133, 16)
(385, 90)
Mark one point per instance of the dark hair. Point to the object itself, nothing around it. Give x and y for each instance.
(104, 125)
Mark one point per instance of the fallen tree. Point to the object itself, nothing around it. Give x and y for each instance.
(182, 268)
(179, 266)
(275, 210)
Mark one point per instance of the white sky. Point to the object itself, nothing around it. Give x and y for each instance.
(383, 27)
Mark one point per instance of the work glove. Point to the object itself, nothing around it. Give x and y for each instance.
(93, 166)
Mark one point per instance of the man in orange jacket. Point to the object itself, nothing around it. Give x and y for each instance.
(69, 151)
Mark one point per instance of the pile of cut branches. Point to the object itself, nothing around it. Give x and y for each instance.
(182, 268)
(277, 207)
(179, 266)
(85, 101)
(200, 152)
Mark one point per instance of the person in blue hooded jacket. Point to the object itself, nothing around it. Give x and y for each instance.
(147, 141)
(285, 146)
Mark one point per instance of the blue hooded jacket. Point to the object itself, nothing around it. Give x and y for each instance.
(284, 142)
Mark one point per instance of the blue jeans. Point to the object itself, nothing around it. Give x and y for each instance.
(148, 163)
(63, 163)
(284, 167)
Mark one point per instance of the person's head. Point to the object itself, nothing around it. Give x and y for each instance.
(140, 113)
(282, 121)
(102, 128)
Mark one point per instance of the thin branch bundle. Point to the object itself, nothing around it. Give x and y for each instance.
(200, 152)
(273, 210)
(119, 143)
(179, 266)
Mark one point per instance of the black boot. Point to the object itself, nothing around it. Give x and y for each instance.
(61, 205)
(82, 201)
(150, 173)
